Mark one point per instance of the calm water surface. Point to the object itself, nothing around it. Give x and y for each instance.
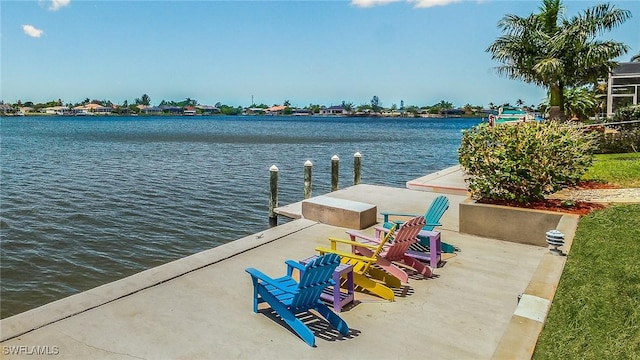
(86, 201)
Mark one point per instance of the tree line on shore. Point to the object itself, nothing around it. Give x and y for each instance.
(141, 104)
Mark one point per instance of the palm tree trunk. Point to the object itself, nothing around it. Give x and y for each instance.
(556, 102)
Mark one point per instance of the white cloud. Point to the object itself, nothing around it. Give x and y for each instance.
(432, 3)
(371, 3)
(57, 4)
(416, 3)
(32, 31)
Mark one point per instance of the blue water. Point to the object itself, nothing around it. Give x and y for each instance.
(85, 201)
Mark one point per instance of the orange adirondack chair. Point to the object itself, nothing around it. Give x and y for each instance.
(396, 250)
(362, 266)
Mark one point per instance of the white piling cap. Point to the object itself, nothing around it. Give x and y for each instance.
(273, 168)
(357, 154)
(308, 163)
(335, 157)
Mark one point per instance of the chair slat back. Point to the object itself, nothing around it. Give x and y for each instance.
(315, 278)
(404, 238)
(435, 211)
(364, 266)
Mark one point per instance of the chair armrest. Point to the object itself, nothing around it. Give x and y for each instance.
(292, 264)
(387, 214)
(334, 241)
(257, 274)
(359, 235)
(433, 224)
(344, 254)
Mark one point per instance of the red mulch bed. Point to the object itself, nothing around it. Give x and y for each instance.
(574, 207)
(592, 184)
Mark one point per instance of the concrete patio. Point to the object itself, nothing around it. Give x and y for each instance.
(199, 307)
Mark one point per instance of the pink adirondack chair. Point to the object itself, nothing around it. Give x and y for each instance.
(396, 251)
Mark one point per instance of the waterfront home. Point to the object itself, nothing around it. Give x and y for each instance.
(208, 109)
(253, 111)
(171, 109)
(302, 112)
(334, 110)
(189, 111)
(58, 110)
(624, 87)
(92, 109)
(6, 109)
(275, 110)
(26, 109)
(152, 110)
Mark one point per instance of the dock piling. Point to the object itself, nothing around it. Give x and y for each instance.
(335, 164)
(273, 197)
(307, 178)
(357, 167)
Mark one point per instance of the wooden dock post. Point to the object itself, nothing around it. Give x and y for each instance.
(335, 164)
(273, 197)
(357, 168)
(307, 178)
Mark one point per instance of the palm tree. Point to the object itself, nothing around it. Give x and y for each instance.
(550, 50)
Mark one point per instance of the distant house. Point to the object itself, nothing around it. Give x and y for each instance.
(58, 110)
(334, 110)
(189, 111)
(208, 109)
(624, 87)
(253, 111)
(453, 112)
(275, 110)
(489, 112)
(171, 109)
(152, 110)
(6, 108)
(92, 109)
(302, 112)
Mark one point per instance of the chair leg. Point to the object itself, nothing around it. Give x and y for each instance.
(420, 267)
(298, 326)
(255, 295)
(373, 287)
(333, 319)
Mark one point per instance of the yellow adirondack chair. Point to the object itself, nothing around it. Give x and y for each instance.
(362, 266)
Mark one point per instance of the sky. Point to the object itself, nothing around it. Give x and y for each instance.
(418, 52)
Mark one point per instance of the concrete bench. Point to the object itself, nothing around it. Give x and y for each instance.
(340, 212)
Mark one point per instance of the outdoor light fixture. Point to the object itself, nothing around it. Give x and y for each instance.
(556, 239)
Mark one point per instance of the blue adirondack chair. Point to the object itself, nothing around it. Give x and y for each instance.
(288, 297)
(433, 215)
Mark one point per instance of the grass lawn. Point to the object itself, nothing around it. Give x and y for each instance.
(596, 310)
(619, 169)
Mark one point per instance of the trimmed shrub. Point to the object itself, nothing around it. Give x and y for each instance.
(524, 162)
(622, 141)
(627, 113)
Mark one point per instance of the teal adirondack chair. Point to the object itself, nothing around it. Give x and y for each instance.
(288, 297)
(433, 215)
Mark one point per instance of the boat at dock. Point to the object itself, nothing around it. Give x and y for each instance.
(511, 115)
